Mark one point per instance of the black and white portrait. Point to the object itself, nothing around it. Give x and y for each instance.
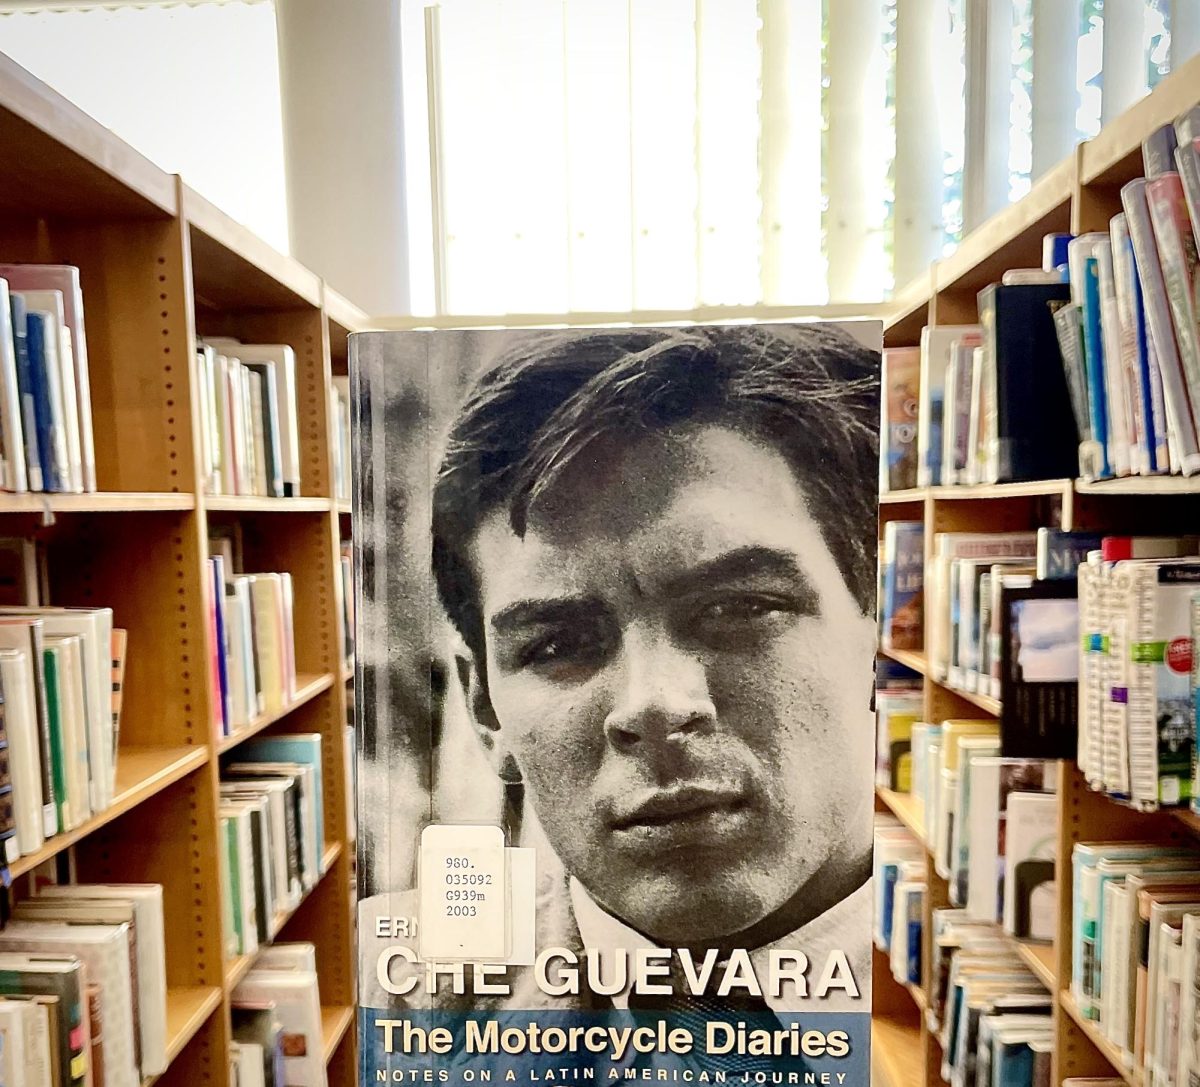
(616, 595)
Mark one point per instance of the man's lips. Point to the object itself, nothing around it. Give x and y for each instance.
(677, 804)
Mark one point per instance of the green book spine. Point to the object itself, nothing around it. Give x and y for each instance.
(235, 882)
(57, 754)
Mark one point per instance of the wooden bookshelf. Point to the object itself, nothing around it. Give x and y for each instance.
(160, 265)
(1079, 194)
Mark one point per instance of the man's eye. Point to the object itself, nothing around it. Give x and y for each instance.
(745, 610)
(562, 648)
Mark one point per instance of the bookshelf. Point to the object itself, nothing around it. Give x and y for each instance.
(160, 265)
(1078, 194)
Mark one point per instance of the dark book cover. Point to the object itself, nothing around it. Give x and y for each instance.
(61, 977)
(1039, 675)
(1035, 436)
(33, 457)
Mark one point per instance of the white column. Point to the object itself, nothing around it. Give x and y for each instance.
(1124, 56)
(793, 266)
(854, 167)
(989, 77)
(1185, 31)
(340, 72)
(918, 207)
(1055, 98)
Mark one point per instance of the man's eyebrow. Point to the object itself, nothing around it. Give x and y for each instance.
(525, 613)
(745, 562)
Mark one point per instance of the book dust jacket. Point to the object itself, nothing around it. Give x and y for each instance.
(615, 650)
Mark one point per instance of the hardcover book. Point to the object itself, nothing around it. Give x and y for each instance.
(615, 607)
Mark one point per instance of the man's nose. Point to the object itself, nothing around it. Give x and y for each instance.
(662, 695)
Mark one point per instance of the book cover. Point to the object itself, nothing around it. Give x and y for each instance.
(1026, 426)
(1059, 553)
(616, 630)
(1030, 897)
(902, 612)
(1039, 679)
(899, 399)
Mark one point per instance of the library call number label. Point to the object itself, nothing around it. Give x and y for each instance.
(462, 893)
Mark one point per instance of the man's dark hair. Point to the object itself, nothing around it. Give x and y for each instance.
(809, 391)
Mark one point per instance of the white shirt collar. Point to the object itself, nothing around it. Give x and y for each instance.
(843, 926)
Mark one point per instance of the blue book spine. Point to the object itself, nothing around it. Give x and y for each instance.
(20, 325)
(1155, 432)
(1093, 345)
(914, 951)
(216, 566)
(890, 873)
(40, 386)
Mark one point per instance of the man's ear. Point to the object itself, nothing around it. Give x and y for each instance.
(479, 709)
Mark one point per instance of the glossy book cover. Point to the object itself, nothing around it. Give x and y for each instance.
(615, 653)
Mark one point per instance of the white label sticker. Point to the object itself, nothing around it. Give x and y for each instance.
(463, 893)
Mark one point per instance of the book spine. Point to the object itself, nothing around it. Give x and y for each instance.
(1177, 256)
(29, 431)
(1181, 429)
(1093, 343)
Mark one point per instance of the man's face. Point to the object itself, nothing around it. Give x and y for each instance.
(676, 664)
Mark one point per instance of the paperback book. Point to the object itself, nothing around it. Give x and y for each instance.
(616, 628)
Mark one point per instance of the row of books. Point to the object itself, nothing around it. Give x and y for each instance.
(339, 430)
(1135, 953)
(45, 394)
(1139, 610)
(990, 1012)
(253, 666)
(61, 673)
(272, 835)
(249, 431)
(1089, 365)
(1129, 339)
(276, 1016)
(900, 889)
(989, 819)
(83, 979)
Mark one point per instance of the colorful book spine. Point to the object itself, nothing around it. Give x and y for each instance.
(1093, 342)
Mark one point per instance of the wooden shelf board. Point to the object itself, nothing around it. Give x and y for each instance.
(918, 995)
(1033, 489)
(347, 675)
(910, 312)
(897, 1059)
(981, 701)
(1011, 238)
(344, 506)
(188, 1010)
(904, 807)
(905, 497)
(141, 773)
(334, 1024)
(1040, 959)
(915, 661)
(1115, 155)
(1189, 819)
(234, 270)
(1109, 1051)
(333, 850)
(249, 503)
(1134, 485)
(307, 688)
(60, 161)
(96, 502)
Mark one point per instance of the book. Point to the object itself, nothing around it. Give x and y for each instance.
(1059, 553)
(1039, 689)
(1030, 895)
(902, 602)
(935, 349)
(61, 978)
(706, 571)
(899, 401)
(1025, 391)
(65, 279)
(13, 475)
